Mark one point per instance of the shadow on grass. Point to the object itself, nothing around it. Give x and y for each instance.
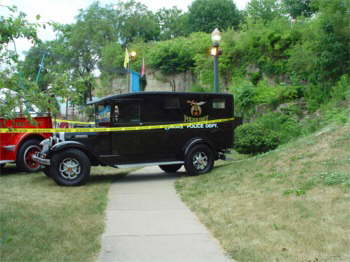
(11, 170)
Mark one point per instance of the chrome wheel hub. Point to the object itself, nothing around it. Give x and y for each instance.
(28, 157)
(200, 160)
(69, 168)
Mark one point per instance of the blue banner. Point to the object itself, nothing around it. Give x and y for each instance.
(135, 82)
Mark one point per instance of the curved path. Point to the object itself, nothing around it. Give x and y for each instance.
(147, 222)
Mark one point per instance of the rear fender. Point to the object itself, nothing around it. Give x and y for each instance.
(197, 141)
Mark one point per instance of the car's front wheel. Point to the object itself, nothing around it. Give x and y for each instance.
(170, 168)
(70, 167)
(199, 160)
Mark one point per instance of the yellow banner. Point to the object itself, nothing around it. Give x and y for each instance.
(112, 129)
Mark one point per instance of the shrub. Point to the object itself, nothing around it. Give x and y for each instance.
(253, 138)
(286, 127)
(341, 90)
(266, 133)
(244, 93)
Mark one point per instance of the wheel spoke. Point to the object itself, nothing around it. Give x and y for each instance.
(69, 168)
(200, 160)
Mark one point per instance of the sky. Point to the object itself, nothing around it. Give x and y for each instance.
(64, 11)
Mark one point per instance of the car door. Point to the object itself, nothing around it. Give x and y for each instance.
(126, 145)
(99, 142)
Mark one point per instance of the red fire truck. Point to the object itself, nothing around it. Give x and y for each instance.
(20, 147)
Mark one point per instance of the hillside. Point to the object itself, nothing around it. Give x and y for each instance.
(290, 204)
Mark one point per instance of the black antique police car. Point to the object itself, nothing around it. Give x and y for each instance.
(148, 128)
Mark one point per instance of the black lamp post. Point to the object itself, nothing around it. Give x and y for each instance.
(216, 52)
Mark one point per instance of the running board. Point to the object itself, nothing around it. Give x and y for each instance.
(150, 164)
(6, 161)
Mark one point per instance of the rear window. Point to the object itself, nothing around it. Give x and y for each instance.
(219, 104)
(172, 103)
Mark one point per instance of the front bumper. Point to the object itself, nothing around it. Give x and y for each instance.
(41, 160)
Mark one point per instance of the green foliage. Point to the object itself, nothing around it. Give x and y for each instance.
(263, 10)
(112, 58)
(322, 56)
(266, 133)
(133, 21)
(296, 8)
(206, 15)
(15, 25)
(341, 89)
(248, 96)
(18, 92)
(244, 93)
(172, 56)
(316, 95)
(253, 138)
(177, 55)
(286, 127)
(173, 23)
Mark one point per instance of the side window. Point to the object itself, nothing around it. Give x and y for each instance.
(219, 103)
(126, 113)
(103, 114)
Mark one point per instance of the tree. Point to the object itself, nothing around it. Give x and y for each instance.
(173, 23)
(297, 8)
(333, 43)
(33, 59)
(264, 10)
(206, 15)
(134, 21)
(14, 87)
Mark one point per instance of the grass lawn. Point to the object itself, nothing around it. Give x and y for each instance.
(40, 221)
(291, 204)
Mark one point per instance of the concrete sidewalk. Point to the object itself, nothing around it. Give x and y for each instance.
(147, 222)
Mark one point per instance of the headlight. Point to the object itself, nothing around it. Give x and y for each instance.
(45, 142)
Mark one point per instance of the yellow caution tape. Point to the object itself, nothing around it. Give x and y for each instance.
(74, 122)
(111, 129)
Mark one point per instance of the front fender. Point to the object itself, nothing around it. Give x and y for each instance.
(76, 145)
(68, 144)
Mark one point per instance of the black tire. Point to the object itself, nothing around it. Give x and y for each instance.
(170, 168)
(199, 160)
(2, 165)
(77, 163)
(24, 161)
(46, 171)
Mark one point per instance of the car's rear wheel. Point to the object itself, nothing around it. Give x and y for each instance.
(25, 155)
(70, 168)
(2, 165)
(170, 168)
(199, 160)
